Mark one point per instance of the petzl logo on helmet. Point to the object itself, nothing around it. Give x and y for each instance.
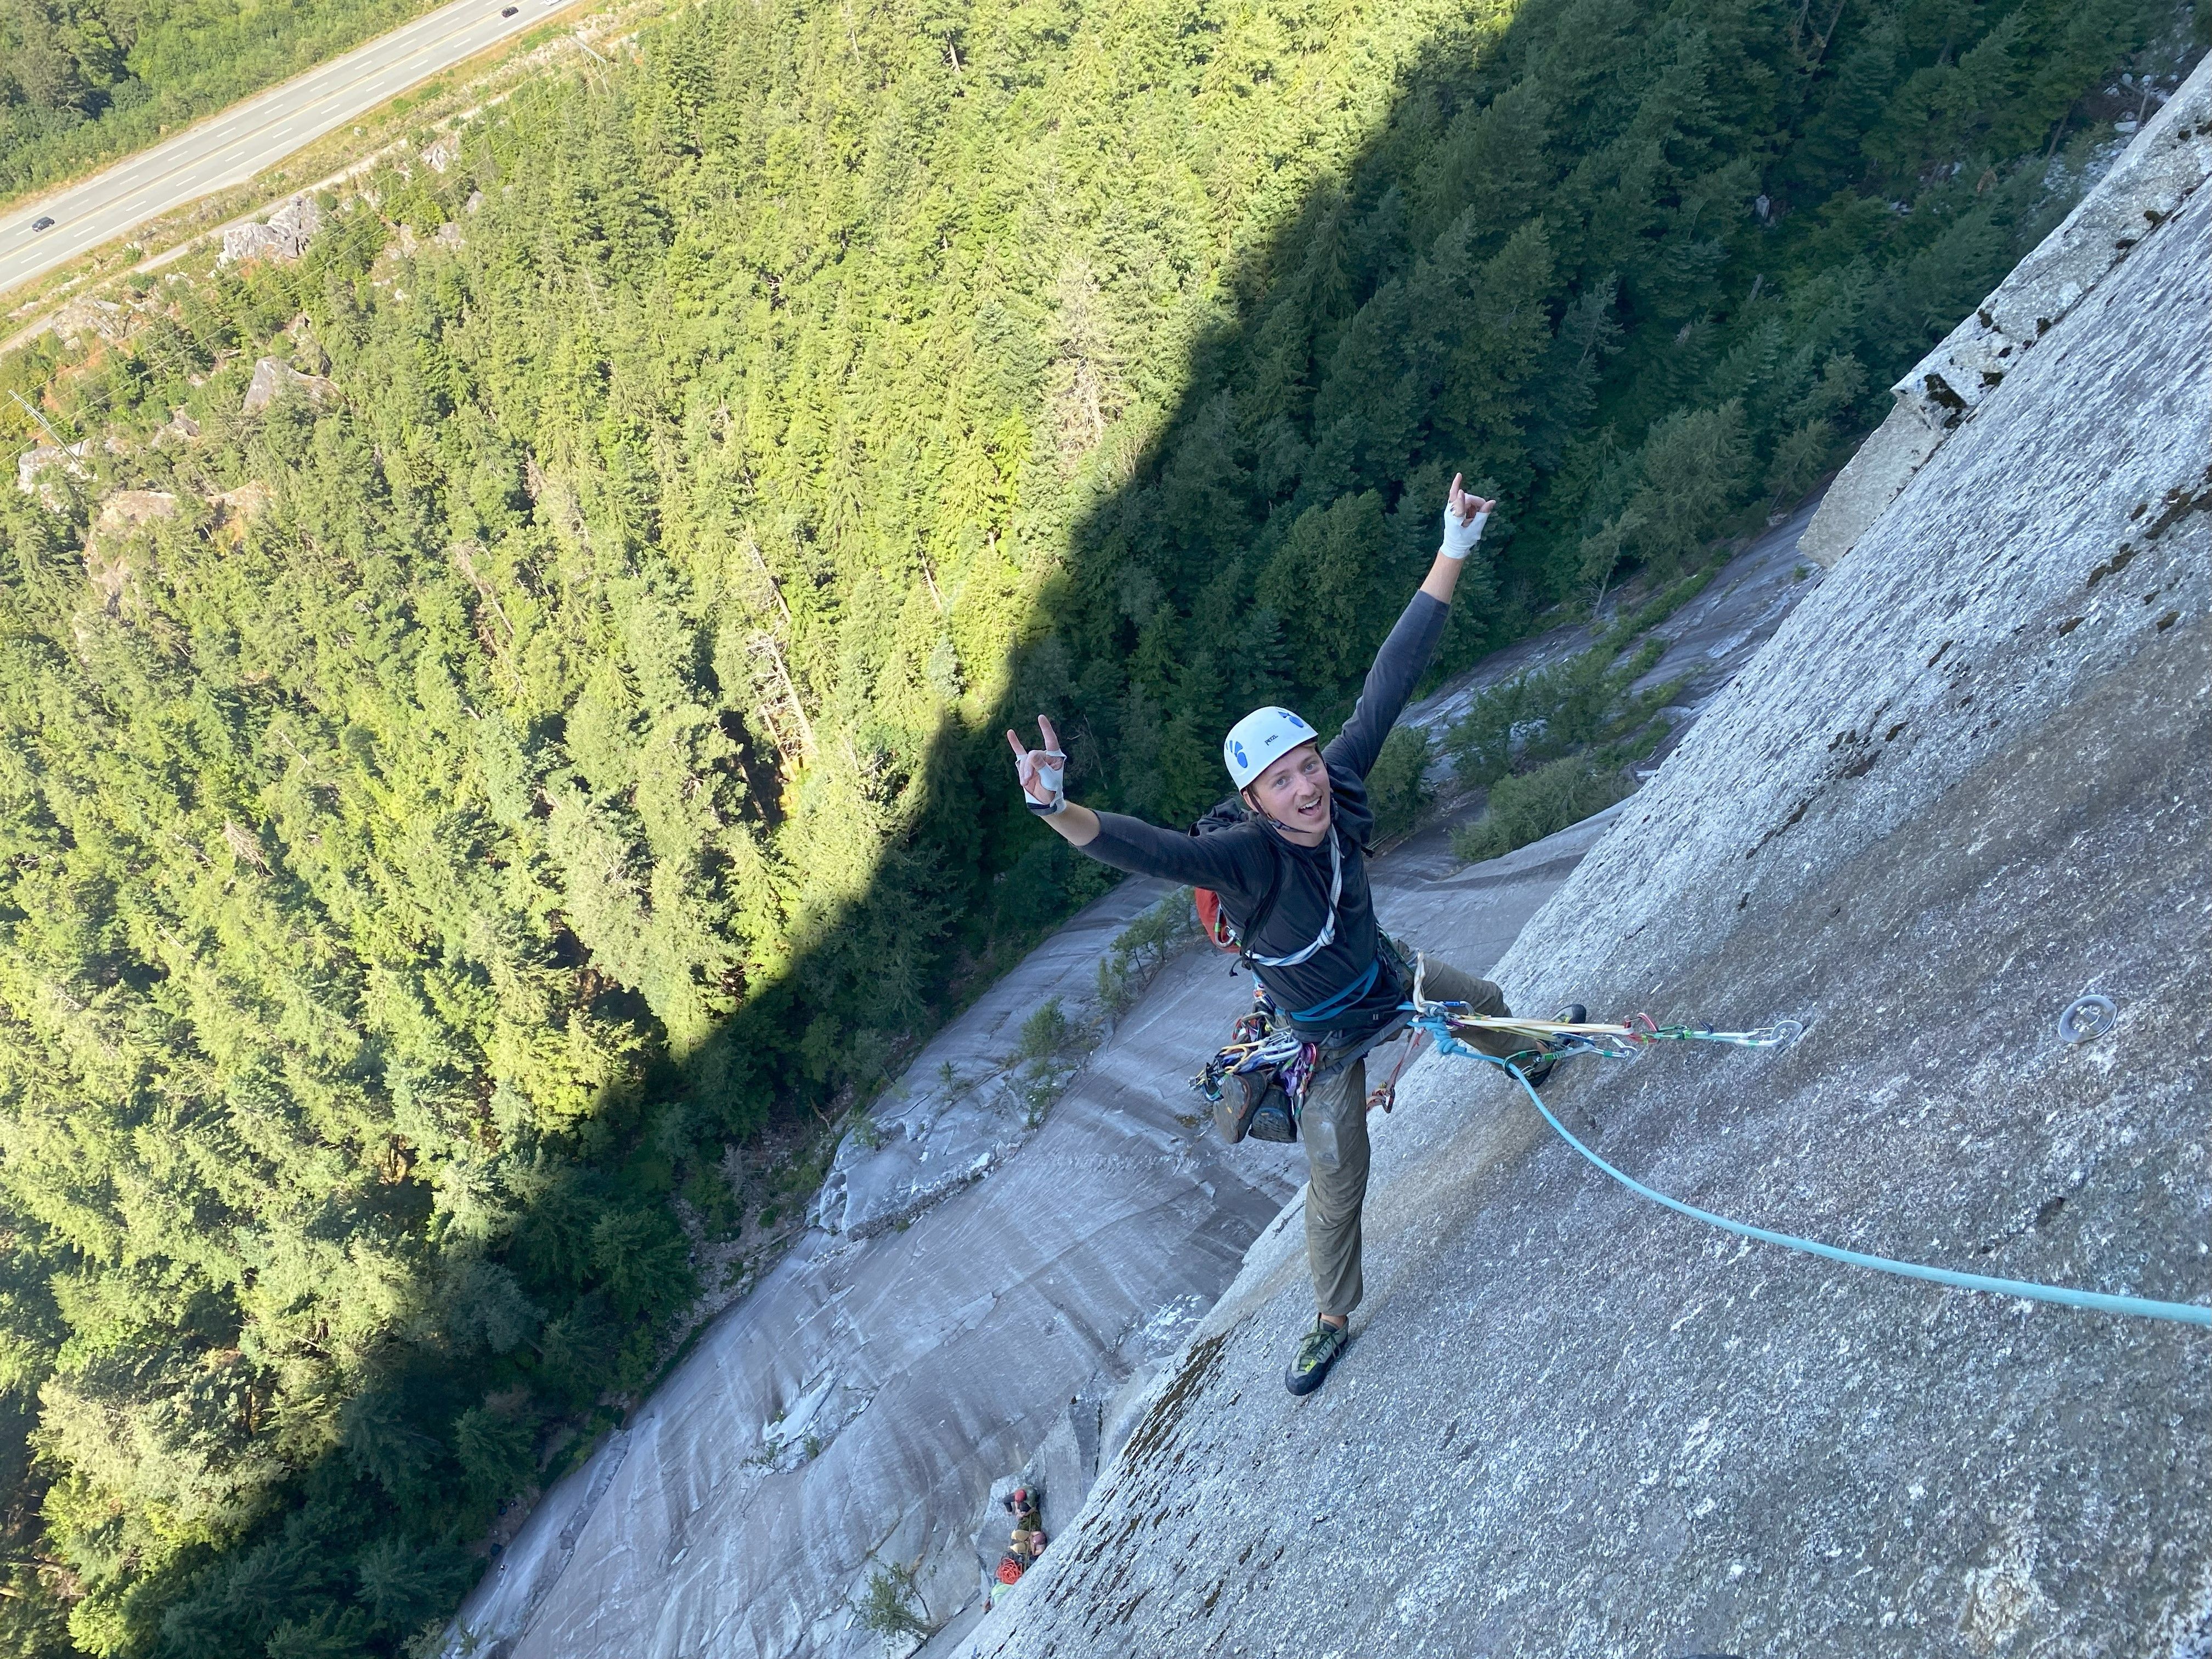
(1260, 739)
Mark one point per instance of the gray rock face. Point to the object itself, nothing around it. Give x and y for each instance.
(273, 377)
(284, 236)
(964, 1103)
(103, 318)
(1963, 783)
(856, 1409)
(32, 462)
(2146, 187)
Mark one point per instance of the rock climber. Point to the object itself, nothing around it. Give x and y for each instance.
(1337, 978)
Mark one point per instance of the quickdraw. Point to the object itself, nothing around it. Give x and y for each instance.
(1630, 1039)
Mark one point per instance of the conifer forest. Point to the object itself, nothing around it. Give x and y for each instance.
(557, 740)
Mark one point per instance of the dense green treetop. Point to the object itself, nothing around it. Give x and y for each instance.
(439, 812)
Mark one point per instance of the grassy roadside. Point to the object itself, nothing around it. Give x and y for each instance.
(412, 119)
(122, 78)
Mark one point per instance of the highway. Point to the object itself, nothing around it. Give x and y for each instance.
(229, 148)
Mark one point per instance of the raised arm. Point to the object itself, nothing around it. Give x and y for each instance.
(1125, 843)
(1405, 653)
(1464, 518)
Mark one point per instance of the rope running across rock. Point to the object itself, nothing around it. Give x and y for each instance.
(1630, 1040)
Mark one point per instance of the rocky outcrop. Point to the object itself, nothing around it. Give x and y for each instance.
(127, 510)
(284, 235)
(109, 564)
(2152, 177)
(971, 1097)
(67, 461)
(235, 507)
(102, 320)
(1962, 784)
(273, 377)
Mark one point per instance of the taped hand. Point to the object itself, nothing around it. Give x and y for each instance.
(1042, 771)
(1464, 518)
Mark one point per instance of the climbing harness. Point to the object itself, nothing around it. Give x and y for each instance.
(1631, 1039)
(1268, 1049)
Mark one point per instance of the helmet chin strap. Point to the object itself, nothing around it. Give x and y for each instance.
(1280, 827)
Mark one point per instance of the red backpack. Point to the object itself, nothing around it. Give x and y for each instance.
(1212, 920)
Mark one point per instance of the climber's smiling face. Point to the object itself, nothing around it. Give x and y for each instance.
(1294, 792)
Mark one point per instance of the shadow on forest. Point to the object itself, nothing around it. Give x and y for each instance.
(1154, 568)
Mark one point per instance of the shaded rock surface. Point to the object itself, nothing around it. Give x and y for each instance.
(967, 1100)
(1963, 783)
(857, 1407)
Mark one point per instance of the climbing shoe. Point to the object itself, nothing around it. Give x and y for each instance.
(1573, 1014)
(1317, 1351)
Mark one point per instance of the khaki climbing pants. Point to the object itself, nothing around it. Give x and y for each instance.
(1333, 1127)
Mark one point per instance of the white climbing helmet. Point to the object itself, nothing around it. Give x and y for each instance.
(1260, 739)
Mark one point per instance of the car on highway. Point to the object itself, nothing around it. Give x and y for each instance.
(509, 11)
(44, 221)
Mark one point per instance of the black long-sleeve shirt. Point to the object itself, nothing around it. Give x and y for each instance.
(1325, 993)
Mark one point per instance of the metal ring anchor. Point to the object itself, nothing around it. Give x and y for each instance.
(2088, 1017)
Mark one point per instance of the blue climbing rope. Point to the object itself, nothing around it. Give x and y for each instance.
(1438, 1025)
